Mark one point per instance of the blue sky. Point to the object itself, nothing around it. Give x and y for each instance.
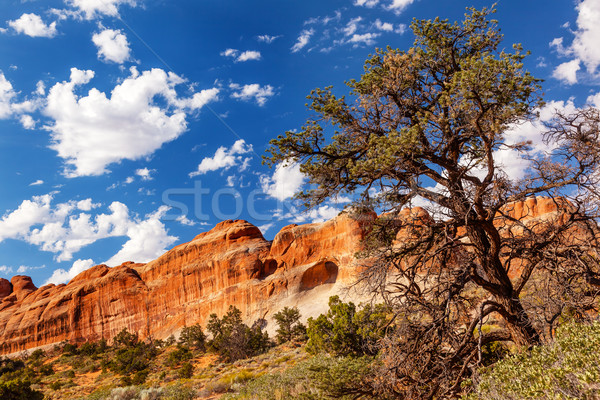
(129, 126)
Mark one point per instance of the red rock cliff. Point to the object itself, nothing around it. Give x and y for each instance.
(231, 264)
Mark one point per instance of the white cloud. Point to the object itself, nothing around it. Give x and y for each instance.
(112, 46)
(230, 53)
(65, 228)
(145, 173)
(27, 121)
(366, 3)
(37, 183)
(267, 38)
(397, 6)
(91, 132)
(90, 9)
(241, 57)
(253, 91)
(351, 26)
(384, 26)
(7, 95)
(514, 163)
(320, 214)
(62, 276)
(224, 158)
(148, 239)
(584, 47)
(266, 227)
(365, 38)
(249, 55)
(40, 88)
(32, 25)
(303, 40)
(183, 220)
(285, 182)
(567, 72)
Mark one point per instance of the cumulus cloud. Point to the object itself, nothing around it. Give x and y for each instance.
(90, 9)
(148, 239)
(514, 163)
(567, 72)
(32, 25)
(259, 93)
(37, 183)
(224, 158)
(302, 40)
(584, 48)
(62, 276)
(397, 6)
(112, 46)
(91, 132)
(65, 228)
(285, 182)
(144, 173)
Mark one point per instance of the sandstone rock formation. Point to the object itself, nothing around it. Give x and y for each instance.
(230, 264)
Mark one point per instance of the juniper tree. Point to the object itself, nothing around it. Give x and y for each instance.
(428, 124)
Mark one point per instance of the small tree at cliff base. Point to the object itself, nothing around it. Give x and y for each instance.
(430, 124)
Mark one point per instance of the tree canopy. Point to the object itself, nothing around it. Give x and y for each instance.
(426, 125)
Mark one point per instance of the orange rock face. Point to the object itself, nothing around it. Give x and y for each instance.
(232, 264)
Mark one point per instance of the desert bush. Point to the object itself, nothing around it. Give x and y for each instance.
(233, 340)
(179, 392)
(186, 371)
(179, 355)
(18, 389)
(318, 378)
(568, 368)
(124, 393)
(8, 365)
(37, 354)
(69, 349)
(344, 330)
(289, 326)
(193, 337)
(56, 385)
(46, 370)
(151, 394)
(125, 339)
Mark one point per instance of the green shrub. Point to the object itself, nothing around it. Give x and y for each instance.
(125, 339)
(568, 368)
(233, 340)
(179, 392)
(193, 337)
(46, 370)
(8, 365)
(56, 385)
(18, 389)
(186, 371)
(37, 354)
(318, 378)
(345, 331)
(179, 355)
(69, 349)
(289, 324)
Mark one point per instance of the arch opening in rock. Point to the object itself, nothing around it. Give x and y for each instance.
(319, 274)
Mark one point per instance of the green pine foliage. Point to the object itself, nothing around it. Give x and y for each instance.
(233, 340)
(346, 331)
(289, 325)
